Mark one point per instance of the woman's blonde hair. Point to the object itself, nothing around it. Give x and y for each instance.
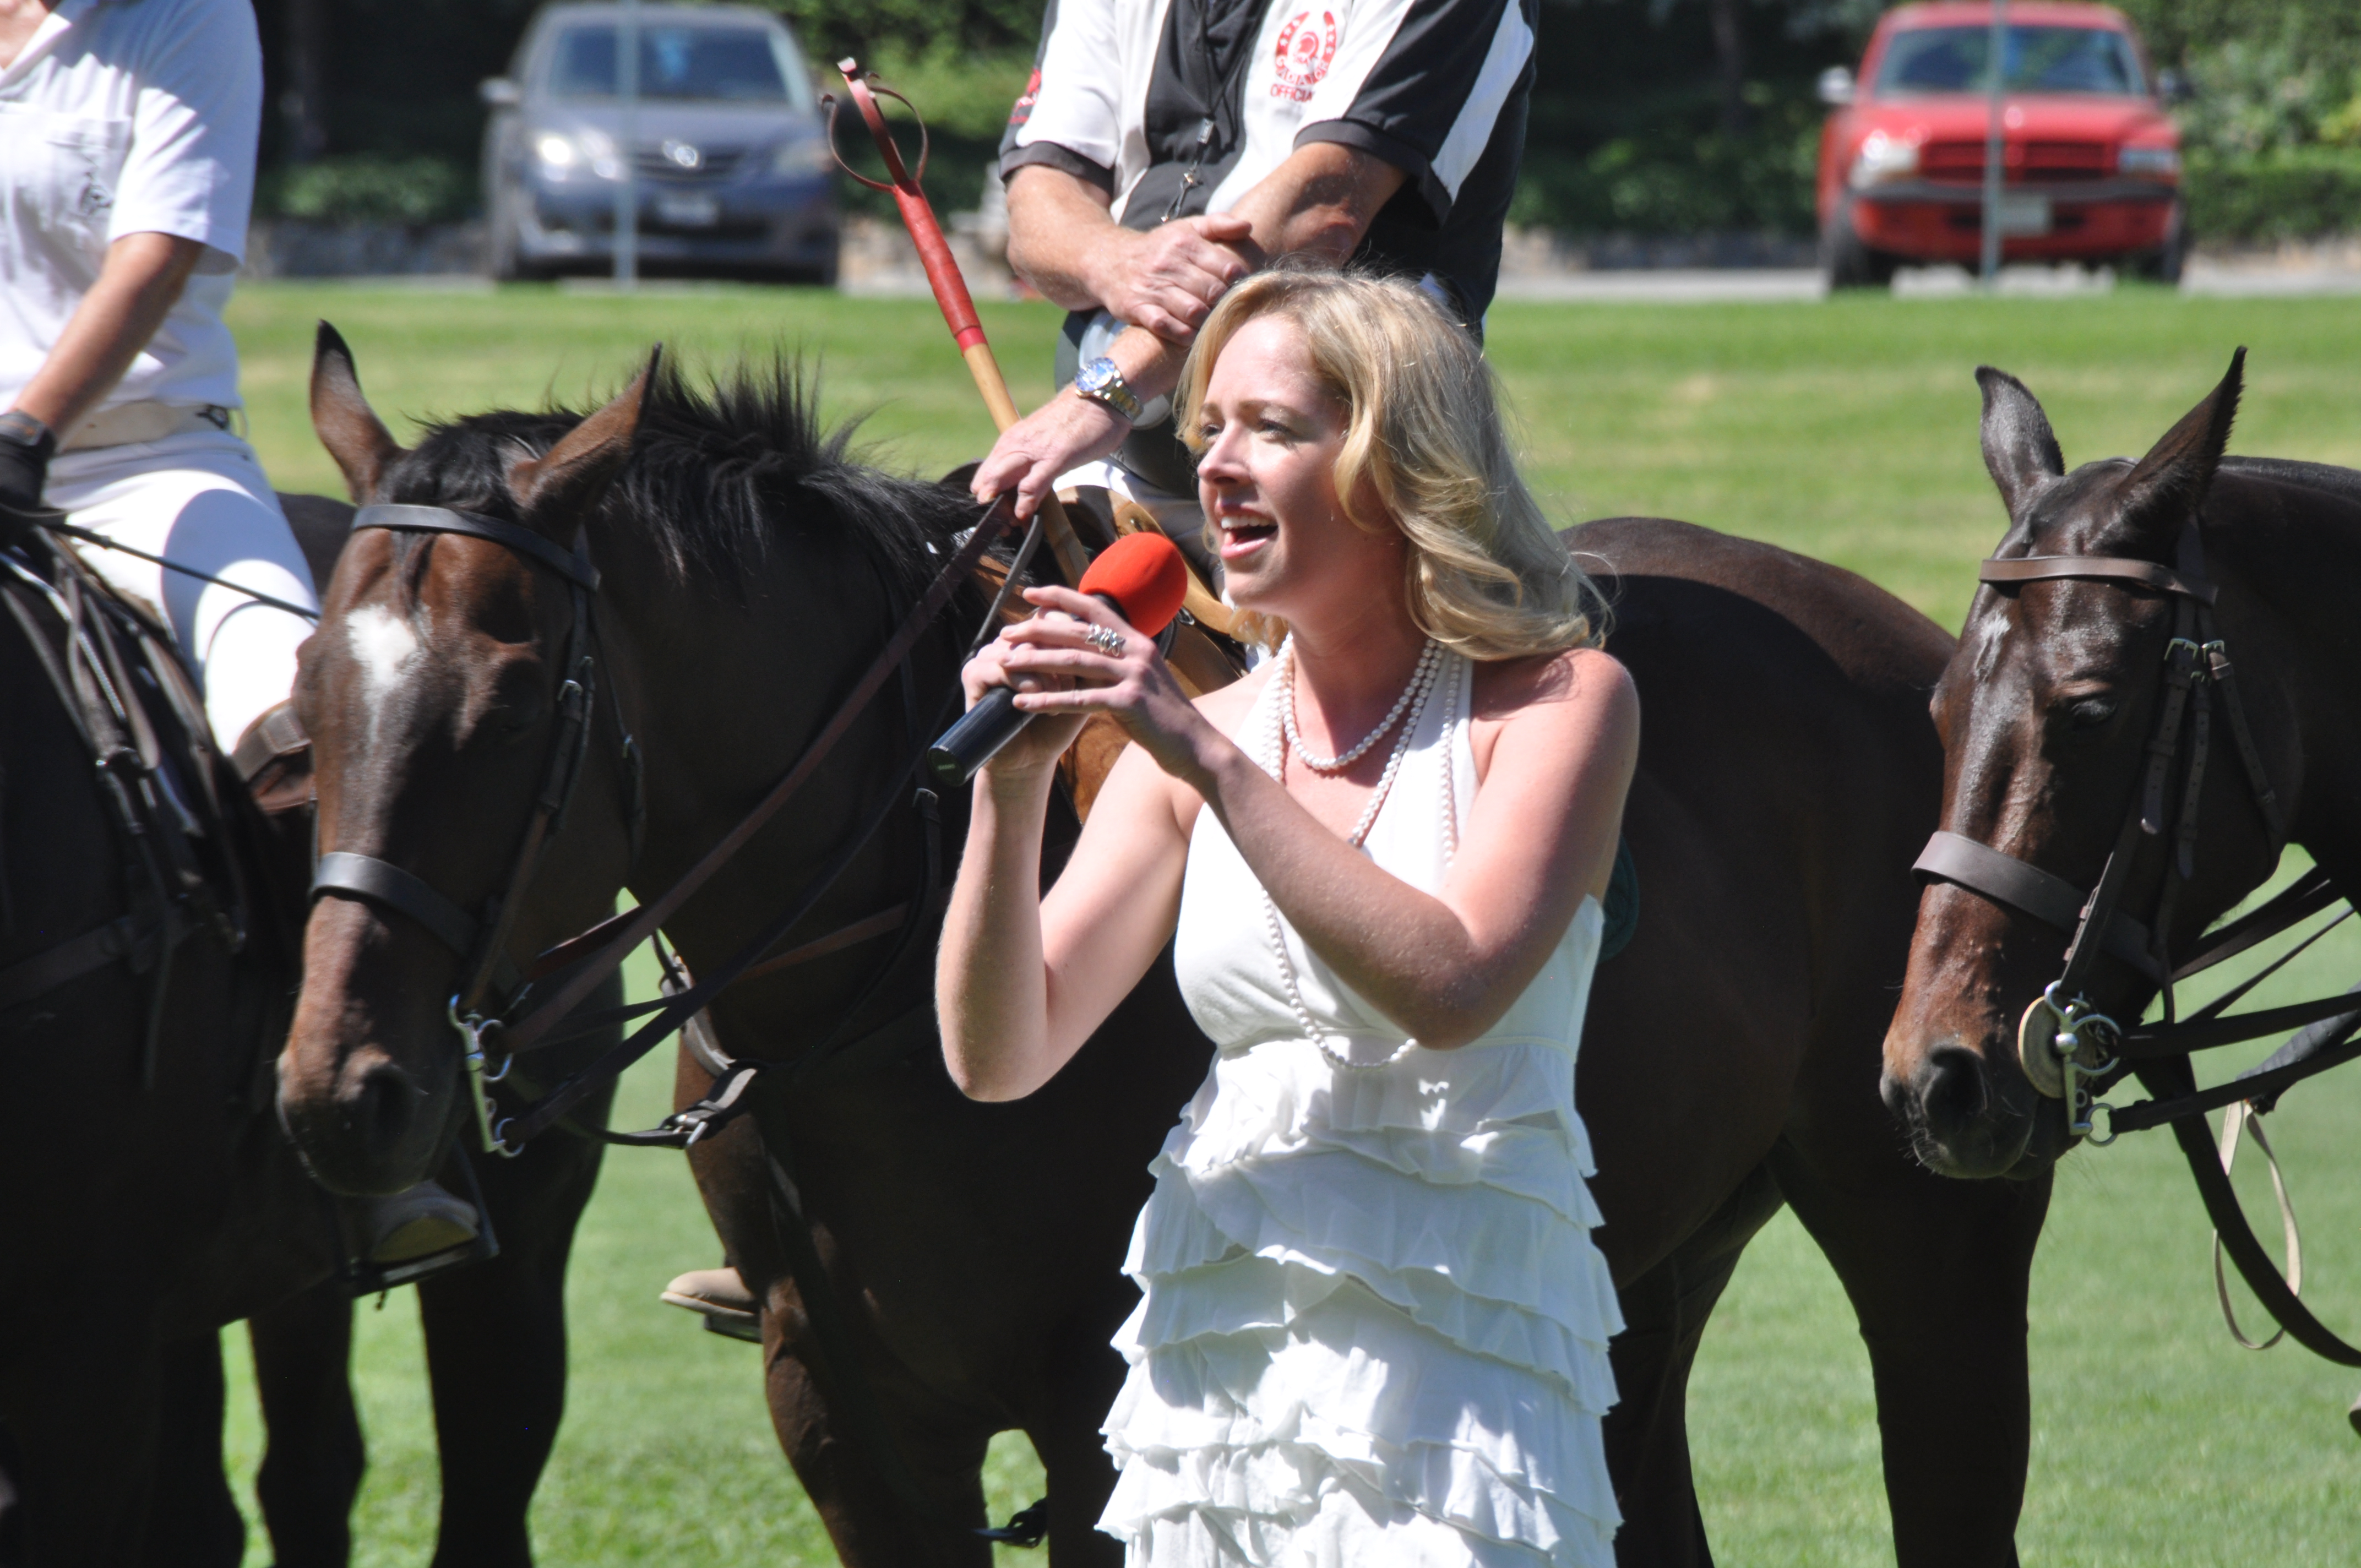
(1487, 577)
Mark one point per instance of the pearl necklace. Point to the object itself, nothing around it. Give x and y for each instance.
(1274, 762)
(1429, 658)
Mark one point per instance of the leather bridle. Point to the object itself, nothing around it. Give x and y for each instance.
(489, 981)
(2064, 1041)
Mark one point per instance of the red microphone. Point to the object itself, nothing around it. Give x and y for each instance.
(1140, 576)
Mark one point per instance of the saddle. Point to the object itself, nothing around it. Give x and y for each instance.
(187, 836)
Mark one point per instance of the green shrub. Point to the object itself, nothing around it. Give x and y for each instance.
(365, 188)
(1676, 181)
(2290, 193)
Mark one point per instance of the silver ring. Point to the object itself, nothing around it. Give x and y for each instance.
(1106, 639)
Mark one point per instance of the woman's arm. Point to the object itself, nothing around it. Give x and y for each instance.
(138, 285)
(1442, 967)
(1022, 981)
(1540, 838)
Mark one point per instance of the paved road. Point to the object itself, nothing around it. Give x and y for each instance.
(1702, 286)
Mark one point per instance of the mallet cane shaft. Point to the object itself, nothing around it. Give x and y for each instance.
(958, 313)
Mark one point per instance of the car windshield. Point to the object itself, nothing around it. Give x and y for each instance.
(735, 65)
(2039, 60)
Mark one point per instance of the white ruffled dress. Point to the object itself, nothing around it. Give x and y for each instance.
(1373, 1328)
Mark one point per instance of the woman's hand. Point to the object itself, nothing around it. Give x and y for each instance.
(1081, 658)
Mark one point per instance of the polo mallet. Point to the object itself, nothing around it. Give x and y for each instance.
(943, 277)
(959, 308)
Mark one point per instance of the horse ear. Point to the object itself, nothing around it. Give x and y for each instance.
(347, 426)
(2020, 451)
(2169, 484)
(555, 491)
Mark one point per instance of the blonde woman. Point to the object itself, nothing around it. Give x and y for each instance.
(1373, 1327)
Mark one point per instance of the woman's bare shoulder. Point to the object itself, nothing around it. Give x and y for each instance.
(1576, 678)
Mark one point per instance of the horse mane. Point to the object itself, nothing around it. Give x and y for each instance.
(2345, 484)
(723, 468)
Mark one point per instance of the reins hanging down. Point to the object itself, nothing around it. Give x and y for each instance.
(2064, 1042)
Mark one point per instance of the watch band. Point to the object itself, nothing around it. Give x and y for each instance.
(1102, 381)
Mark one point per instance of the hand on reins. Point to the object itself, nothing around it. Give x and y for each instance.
(1062, 433)
(26, 445)
(1081, 658)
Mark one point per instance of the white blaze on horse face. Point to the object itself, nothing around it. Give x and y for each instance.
(385, 647)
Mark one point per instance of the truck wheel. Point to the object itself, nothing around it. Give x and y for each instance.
(1846, 262)
(2163, 264)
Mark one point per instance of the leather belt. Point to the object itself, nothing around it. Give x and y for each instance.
(125, 424)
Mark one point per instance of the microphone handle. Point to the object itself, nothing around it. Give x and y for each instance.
(976, 738)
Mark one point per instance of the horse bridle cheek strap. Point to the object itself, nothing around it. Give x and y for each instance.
(487, 972)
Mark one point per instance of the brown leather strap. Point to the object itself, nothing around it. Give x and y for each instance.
(2096, 568)
(29, 979)
(2029, 890)
(275, 733)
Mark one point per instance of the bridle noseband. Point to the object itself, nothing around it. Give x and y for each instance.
(491, 981)
(2063, 1040)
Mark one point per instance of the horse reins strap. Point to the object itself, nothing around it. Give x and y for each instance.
(654, 913)
(572, 566)
(2096, 568)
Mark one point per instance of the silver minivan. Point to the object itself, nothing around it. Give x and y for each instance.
(734, 174)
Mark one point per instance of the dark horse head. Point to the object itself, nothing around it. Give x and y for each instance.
(428, 692)
(2046, 713)
(745, 568)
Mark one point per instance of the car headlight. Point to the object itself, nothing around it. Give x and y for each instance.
(804, 155)
(557, 153)
(2151, 162)
(1883, 158)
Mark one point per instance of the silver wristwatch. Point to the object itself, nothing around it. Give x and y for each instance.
(1101, 381)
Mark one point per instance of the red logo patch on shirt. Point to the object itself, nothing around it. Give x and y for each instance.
(1023, 109)
(1304, 52)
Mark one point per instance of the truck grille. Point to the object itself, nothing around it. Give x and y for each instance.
(2027, 163)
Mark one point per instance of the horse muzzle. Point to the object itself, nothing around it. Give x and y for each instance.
(1969, 1117)
(367, 1128)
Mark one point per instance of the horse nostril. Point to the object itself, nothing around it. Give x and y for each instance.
(1952, 1093)
(381, 1106)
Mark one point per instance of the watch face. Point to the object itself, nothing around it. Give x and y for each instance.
(1096, 375)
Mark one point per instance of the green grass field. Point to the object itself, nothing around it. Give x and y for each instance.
(1846, 429)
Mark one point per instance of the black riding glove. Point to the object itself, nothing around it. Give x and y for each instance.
(26, 446)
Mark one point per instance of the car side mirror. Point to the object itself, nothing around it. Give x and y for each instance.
(2173, 87)
(499, 92)
(1837, 88)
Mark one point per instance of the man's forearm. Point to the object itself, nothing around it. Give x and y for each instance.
(137, 287)
(1320, 201)
(1056, 223)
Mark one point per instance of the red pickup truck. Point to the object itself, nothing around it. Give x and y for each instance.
(2090, 161)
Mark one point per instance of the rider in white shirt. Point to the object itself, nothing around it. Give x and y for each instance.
(127, 136)
(127, 132)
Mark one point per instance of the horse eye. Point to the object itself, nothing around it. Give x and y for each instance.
(2093, 713)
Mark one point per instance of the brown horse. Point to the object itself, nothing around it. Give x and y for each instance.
(148, 1196)
(2047, 712)
(748, 571)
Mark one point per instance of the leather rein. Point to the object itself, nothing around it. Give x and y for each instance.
(2064, 1041)
(493, 989)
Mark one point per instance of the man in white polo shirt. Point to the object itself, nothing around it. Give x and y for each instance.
(127, 136)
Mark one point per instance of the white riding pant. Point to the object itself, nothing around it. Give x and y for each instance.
(198, 499)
